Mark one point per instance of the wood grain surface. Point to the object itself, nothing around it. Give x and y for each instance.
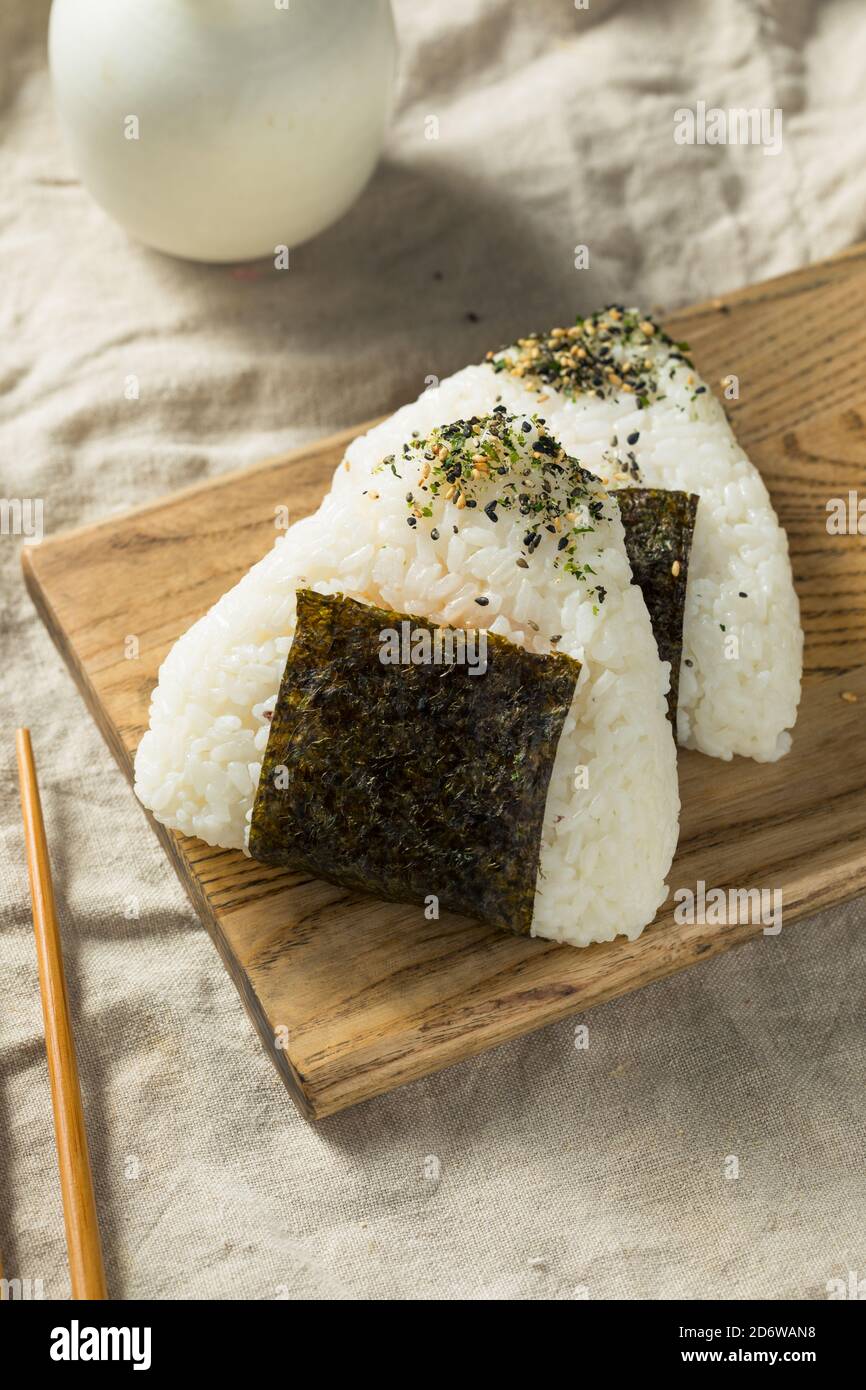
(353, 997)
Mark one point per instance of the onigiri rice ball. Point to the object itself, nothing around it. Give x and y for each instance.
(611, 816)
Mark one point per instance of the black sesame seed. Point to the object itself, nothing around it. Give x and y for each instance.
(434, 534)
(634, 437)
(742, 595)
(523, 564)
(482, 601)
(688, 662)
(411, 521)
(490, 510)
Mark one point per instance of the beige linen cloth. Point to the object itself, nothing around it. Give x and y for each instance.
(562, 1173)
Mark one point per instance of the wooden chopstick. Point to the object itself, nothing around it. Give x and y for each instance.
(86, 1271)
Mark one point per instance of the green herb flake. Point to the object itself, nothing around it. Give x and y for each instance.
(615, 351)
(510, 463)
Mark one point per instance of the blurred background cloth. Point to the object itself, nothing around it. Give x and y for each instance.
(559, 1170)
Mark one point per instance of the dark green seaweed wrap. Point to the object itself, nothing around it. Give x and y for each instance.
(659, 526)
(407, 780)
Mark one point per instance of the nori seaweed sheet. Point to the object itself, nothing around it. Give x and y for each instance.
(409, 780)
(659, 526)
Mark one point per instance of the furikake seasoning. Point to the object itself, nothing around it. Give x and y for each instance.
(408, 779)
(501, 463)
(659, 526)
(616, 350)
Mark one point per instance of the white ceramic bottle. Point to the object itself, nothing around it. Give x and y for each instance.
(222, 129)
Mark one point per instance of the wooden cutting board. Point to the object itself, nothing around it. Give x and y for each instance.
(352, 997)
